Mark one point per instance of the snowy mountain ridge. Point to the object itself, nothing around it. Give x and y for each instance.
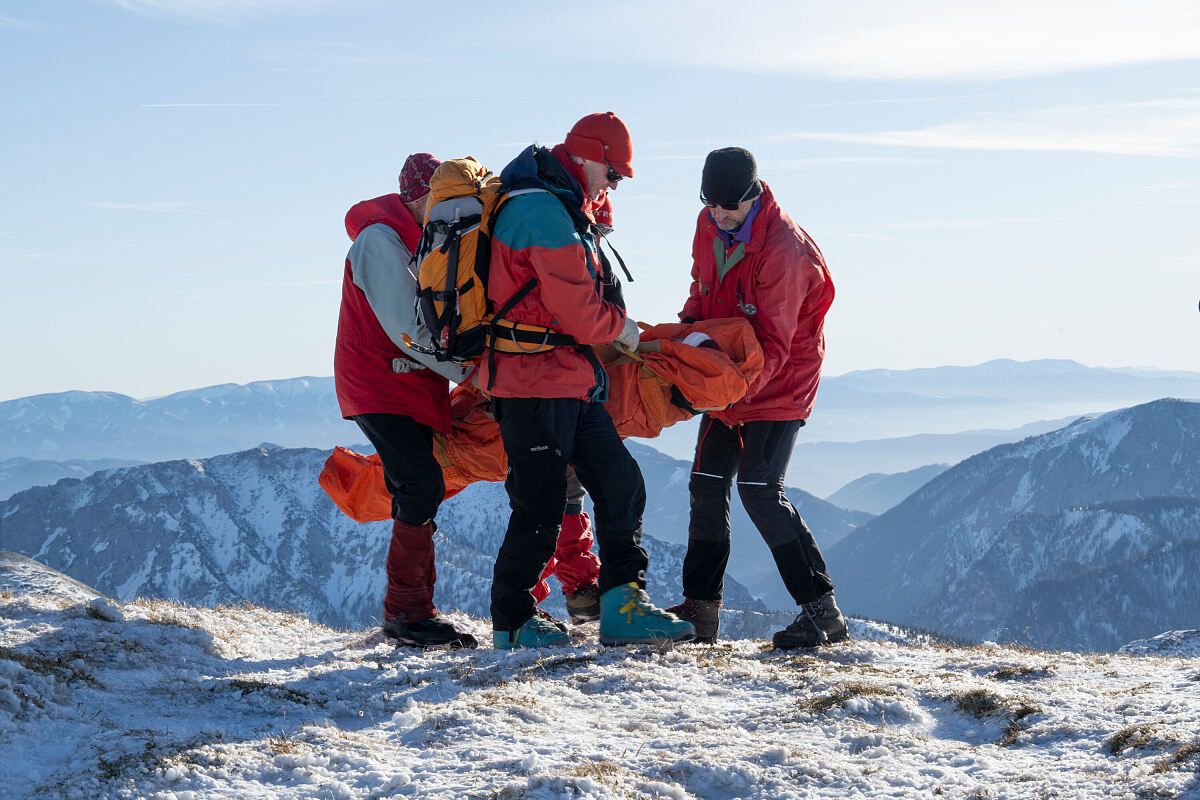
(1045, 538)
(255, 527)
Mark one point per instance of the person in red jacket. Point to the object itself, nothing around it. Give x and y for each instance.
(547, 276)
(750, 260)
(397, 395)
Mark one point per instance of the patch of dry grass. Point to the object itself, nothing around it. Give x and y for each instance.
(1129, 738)
(279, 745)
(167, 612)
(63, 666)
(598, 770)
(1014, 729)
(1182, 754)
(821, 704)
(979, 703)
(1021, 671)
(274, 690)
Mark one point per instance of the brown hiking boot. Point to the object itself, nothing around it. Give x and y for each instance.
(583, 605)
(704, 616)
(819, 622)
(828, 617)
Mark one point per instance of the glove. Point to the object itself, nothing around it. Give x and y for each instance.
(629, 337)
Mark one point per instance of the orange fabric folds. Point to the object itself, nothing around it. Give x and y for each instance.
(639, 403)
(355, 483)
(639, 399)
(472, 451)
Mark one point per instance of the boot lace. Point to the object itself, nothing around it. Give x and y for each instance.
(639, 603)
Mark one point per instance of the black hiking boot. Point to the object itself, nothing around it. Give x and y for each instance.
(583, 604)
(436, 631)
(704, 616)
(819, 622)
(546, 615)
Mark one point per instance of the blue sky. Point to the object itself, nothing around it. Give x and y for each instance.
(1014, 180)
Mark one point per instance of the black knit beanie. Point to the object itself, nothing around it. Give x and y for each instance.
(730, 176)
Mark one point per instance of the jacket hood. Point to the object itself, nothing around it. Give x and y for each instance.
(537, 167)
(388, 208)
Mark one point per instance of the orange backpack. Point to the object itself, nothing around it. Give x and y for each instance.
(454, 256)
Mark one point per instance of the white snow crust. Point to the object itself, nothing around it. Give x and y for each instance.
(171, 702)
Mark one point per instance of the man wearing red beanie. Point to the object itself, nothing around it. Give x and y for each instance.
(546, 274)
(397, 395)
(750, 260)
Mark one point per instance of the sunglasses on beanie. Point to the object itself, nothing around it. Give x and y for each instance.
(730, 206)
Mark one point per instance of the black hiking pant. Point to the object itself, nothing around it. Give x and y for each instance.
(412, 474)
(541, 437)
(758, 453)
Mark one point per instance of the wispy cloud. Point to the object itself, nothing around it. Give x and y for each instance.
(222, 105)
(1169, 127)
(831, 161)
(158, 207)
(907, 39)
(298, 284)
(221, 10)
(883, 101)
(872, 236)
(312, 55)
(9, 22)
(976, 223)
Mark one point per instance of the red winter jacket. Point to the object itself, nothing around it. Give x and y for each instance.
(362, 360)
(783, 288)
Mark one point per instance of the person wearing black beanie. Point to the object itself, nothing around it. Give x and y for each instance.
(751, 261)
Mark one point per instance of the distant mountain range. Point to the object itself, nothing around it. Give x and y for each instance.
(876, 493)
(255, 527)
(1086, 537)
(858, 406)
(17, 474)
(301, 412)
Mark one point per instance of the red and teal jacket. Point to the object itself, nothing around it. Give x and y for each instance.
(544, 232)
(779, 282)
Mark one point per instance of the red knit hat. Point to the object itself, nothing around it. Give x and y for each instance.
(602, 138)
(414, 177)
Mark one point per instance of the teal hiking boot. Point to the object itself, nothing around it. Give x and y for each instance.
(627, 617)
(535, 632)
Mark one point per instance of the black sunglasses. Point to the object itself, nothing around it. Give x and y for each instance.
(731, 206)
(613, 175)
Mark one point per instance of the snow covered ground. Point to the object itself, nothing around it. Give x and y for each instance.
(155, 700)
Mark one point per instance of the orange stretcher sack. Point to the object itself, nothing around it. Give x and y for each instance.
(639, 402)
(355, 483)
(472, 451)
(641, 392)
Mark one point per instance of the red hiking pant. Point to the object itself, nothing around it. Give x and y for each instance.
(573, 562)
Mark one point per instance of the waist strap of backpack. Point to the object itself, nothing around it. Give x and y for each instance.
(519, 338)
